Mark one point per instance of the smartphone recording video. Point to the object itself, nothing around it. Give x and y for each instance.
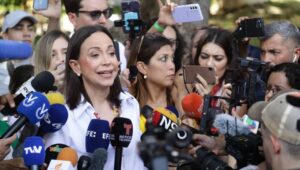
(190, 72)
(131, 16)
(40, 5)
(253, 27)
(187, 13)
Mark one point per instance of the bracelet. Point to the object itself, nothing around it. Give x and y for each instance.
(158, 27)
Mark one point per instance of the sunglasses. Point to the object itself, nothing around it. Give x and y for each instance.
(97, 14)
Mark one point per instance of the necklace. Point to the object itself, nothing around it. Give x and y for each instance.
(115, 112)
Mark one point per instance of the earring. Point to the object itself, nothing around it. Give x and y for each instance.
(78, 74)
(145, 76)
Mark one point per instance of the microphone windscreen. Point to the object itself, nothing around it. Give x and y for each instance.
(68, 154)
(169, 114)
(146, 111)
(34, 107)
(43, 82)
(192, 105)
(84, 163)
(97, 135)
(227, 124)
(33, 151)
(10, 50)
(3, 128)
(121, 132)
(99, 159)
(53, 151)
(55, 98)
(56, 117)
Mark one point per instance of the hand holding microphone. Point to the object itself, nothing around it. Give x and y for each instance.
(32, 109)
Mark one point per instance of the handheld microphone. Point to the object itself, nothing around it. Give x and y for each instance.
(11, 50)
(84, 163)
(98, 159)
(120, 136)
(192, 105)
(32, 109)
(227, 124)
(34, 152)
(68, 154)
(55, 98)
(97, 135)
(42, 82)
(56, 117)
(52, 151)
(164, 118)
(146, 113)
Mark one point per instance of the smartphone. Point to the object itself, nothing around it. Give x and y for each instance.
(190, 72)
(131, 16)
(133, 71)
(40, 4)
(253, 27)
(187, 13)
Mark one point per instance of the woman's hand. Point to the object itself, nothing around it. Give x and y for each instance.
(5, 146)
(124, 78)
(165, 13)
(59, 75)
(226, 93)
(201, 86)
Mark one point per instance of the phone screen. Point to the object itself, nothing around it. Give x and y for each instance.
(130, 11)
(253, 27)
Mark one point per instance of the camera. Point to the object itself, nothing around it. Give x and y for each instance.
(244, 148)
(207, 160)
(253, 27)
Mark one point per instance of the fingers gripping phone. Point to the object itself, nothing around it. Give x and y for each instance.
(40, 4)
(187, 13)
(131, 15)
(190, 72)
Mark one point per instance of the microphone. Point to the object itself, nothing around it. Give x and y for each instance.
(164, 118)
(192, 105)
(84, 163)
(32, 109)
(42, 82)
(120, 136)
(11, 50)
(97, 135)
(227, 124)
(52, 151)
(146, 113)
(34, 152)
(56, 117)
(99, 159)
(55, 98)
(68, 154)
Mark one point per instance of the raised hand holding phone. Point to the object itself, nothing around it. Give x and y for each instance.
(52, 10)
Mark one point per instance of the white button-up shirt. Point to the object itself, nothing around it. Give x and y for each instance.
(73, 133)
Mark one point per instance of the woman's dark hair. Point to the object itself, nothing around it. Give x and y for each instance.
(20, 75)
(292, 73)
(143, 49)
(222, 38)
(74, 85)
(180, 49)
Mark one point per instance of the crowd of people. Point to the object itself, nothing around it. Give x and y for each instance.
(95, 74)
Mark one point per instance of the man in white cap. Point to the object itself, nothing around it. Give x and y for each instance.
(18, 26)
(281, 130)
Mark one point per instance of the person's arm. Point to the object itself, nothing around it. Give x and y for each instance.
(165, 17)
(5, 146)
(53, 14)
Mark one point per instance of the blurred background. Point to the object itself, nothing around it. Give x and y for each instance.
(222, 13)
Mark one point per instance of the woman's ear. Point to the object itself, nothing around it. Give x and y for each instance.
(75, 67)
(296, 55)
(142, 67)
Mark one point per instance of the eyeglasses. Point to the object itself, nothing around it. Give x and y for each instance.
(97, 14)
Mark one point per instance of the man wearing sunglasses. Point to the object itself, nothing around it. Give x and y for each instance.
(92, 12)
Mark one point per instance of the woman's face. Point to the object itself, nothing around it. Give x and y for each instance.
(97, 63)
(277, 81)
(58, 53)
(161, 68)
(213, 56)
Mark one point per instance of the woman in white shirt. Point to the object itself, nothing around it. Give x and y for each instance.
(93, 90)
